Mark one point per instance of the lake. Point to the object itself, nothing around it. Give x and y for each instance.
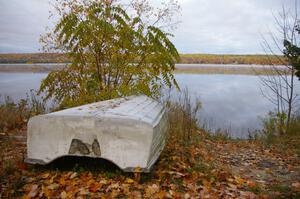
(232, 102)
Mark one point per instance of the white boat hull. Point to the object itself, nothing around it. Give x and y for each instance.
(130, 132)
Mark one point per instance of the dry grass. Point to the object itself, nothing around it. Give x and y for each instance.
(14, 115)
(182, 113)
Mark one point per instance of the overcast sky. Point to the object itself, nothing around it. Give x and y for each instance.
(208, 26)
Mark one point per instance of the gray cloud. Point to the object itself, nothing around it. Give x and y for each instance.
(226, 26)
(21, 23)
(208, 26)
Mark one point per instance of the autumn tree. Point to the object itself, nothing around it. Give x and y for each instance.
(116, 49)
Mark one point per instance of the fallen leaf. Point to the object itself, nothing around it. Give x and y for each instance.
(94, 187)
(45, 192)
(21, 166)
(187, 196)
(74, 175)
(45, 175)
(296, 185)
(129, 181)
(137, 169)
(33, 192)
(83, 192)
(150, 190)
(63, 195)
(240, 181)
(136, 194)
(251, 184)
(53, 186)
(62, 181)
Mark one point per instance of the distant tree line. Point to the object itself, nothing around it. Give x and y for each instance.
(184, 58)
(34, 58)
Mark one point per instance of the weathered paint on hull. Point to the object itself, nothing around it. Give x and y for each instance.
(130, 132)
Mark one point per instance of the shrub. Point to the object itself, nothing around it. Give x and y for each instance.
(113, 53)
(270, 134)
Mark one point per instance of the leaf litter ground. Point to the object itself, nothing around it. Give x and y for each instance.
(204, 168)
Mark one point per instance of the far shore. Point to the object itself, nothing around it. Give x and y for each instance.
(242, 69)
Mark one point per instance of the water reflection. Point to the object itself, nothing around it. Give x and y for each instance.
(16, 85)
(231, 102)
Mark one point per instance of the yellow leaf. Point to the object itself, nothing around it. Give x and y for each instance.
(240, 181)
(161, 194)
(137, 169)
(45, 192)
(129, 181)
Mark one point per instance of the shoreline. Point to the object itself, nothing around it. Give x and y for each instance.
(195, 58)
(235, 69)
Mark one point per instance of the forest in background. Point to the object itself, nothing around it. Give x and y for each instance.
(185, 58)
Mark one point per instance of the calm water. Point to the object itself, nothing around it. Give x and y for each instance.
(16, 85)
(231, 102)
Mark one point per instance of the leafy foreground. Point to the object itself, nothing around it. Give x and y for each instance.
(205, 168)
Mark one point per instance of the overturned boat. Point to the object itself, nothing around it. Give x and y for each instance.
(130, 132)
